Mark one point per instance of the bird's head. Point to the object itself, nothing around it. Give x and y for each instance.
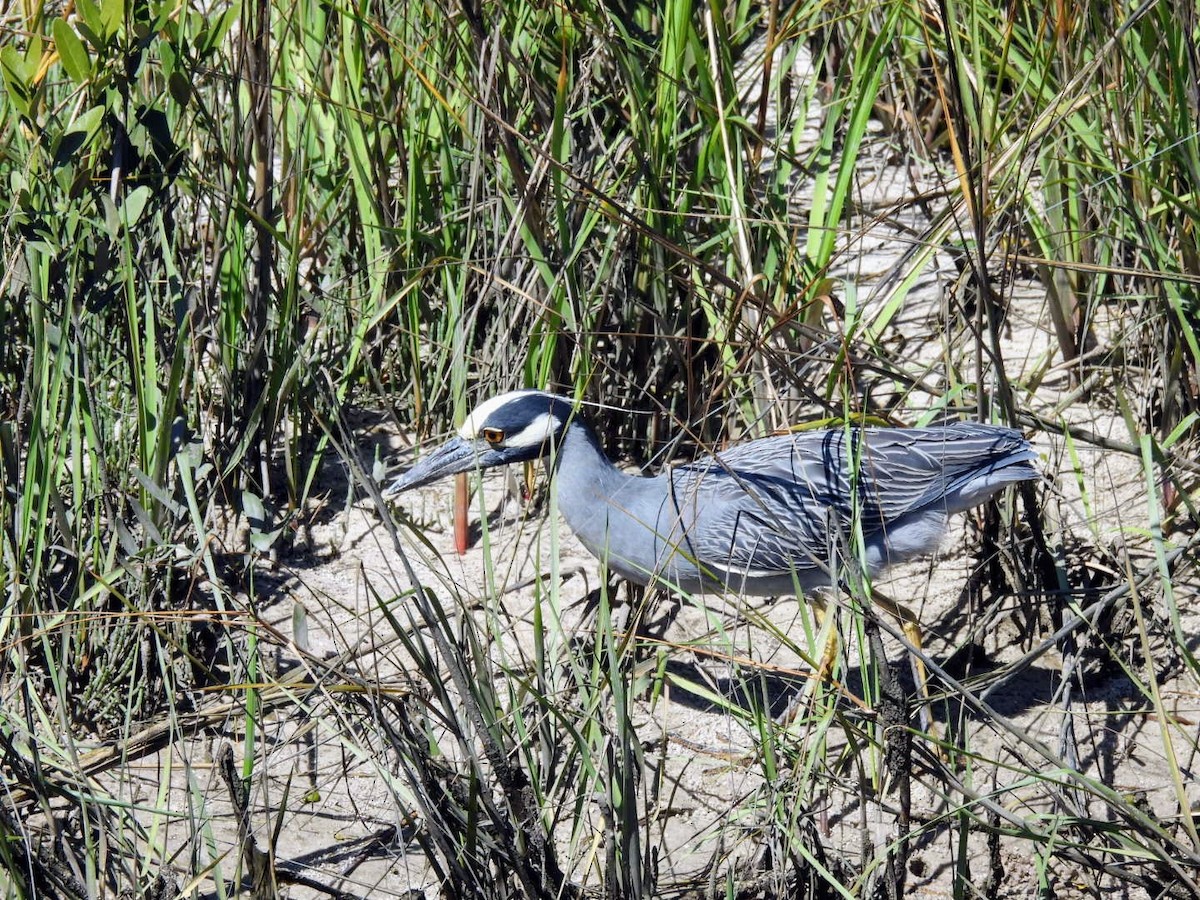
(515, 427)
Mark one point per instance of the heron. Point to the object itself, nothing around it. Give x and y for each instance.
(770, 517)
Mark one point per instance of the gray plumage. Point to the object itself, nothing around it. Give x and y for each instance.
(763, 517)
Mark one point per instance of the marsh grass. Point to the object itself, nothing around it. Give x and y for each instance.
(226, 229)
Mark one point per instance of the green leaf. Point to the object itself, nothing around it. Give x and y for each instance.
(18, 77)
(87, 122)
(112, 218)
(71, 52)
(135, 204)
(91, 24)
(168, 56)
(190, 454)
(180, 87)
(159, 494)
(252, 506)
(262, 536)
(300, 625)
(93, 37)
(112, 13)
(214, 30)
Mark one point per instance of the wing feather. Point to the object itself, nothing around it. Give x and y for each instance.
(773, 505)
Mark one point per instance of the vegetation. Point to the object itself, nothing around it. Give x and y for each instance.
(229, 232)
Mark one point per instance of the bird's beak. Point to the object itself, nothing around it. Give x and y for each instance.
(456, 455)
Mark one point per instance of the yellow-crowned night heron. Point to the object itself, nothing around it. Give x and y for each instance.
(765, 517)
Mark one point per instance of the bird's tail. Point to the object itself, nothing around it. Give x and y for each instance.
(1010, 469)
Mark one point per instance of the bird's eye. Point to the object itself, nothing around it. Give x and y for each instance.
(493, 436)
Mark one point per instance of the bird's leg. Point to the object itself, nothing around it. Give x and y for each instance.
(824, 667)
(911, 628)
(909, 625)
(832, 642)
(907, 620)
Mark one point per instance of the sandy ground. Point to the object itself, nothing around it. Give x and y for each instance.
(343, 813)
(342, 810)
(340, 813)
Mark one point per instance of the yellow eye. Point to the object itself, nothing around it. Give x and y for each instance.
(493, 436)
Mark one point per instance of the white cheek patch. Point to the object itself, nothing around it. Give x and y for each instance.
(536, 432)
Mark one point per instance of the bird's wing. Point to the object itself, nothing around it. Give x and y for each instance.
(774, 504)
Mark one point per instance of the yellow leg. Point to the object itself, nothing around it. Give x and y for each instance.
(909, 625)
(830, 650)
(912, 632)
(824, 663)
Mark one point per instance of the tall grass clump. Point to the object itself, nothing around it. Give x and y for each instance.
(235, 236)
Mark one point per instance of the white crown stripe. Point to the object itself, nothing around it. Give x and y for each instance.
(475, 421)
(478, 419)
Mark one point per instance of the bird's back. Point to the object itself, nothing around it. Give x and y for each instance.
(768, 515)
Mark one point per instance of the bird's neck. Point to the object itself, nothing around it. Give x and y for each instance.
(587, 483)
(578, 461)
